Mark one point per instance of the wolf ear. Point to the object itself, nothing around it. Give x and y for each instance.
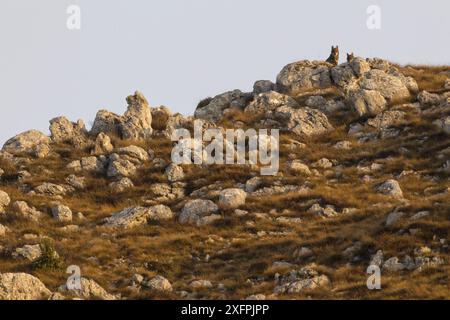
(337, 47)
(332, 47)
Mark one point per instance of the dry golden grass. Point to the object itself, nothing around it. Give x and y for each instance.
(236, 248)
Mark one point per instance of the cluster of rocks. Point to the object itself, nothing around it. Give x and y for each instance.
(23, 286)
(302, 102)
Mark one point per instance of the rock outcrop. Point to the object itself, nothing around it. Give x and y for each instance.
(31, 142)
(22, 286)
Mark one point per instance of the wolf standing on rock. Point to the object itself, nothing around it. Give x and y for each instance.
(334, 56)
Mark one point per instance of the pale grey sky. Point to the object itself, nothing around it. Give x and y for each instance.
(178, 51)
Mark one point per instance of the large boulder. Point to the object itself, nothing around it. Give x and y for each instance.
(303, 122)
(62, 130)
(214, 110)
(22, 286)
(303, 75)
(136, 123)
(270, 101)
(134, 152)
(370, 85)
(106, 122)
(282, 111)
(89, 290)
(32, 142)
(194, 211)
(391, 87)
(366, 102)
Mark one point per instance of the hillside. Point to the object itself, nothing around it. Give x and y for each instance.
(363, 180)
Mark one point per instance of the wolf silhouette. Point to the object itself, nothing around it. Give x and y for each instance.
(334, 56)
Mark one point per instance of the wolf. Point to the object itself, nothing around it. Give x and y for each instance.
(350, 57)
(334, 56)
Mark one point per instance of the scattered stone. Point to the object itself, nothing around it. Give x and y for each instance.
(62, 213)
(137, 216)
(343, 145)
(307, 278)
(51, 189)
(158, 283)
(298, 167)
(29, 252)
(23, 210)
(3, 230)
(89, 290)
(393, 217)
(377, 259)
(391, 188)
(232, 198)
(252, 184)
(303, 253)
(121, 185)
(194, 211)
(121, 168)
(92, 164)
(419, 215)
(427, 99)
(256, 297)
(393, 265)
(201, 284)
(323, 163)
(328, 212)
(76, 182)
(174, 173)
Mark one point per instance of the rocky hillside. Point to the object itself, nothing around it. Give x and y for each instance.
(363, 180)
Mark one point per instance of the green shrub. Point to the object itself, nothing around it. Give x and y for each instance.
(49, 259)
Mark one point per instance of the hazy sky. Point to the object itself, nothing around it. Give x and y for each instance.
(178, 51)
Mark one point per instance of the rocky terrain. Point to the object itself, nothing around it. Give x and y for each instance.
(363, 180)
